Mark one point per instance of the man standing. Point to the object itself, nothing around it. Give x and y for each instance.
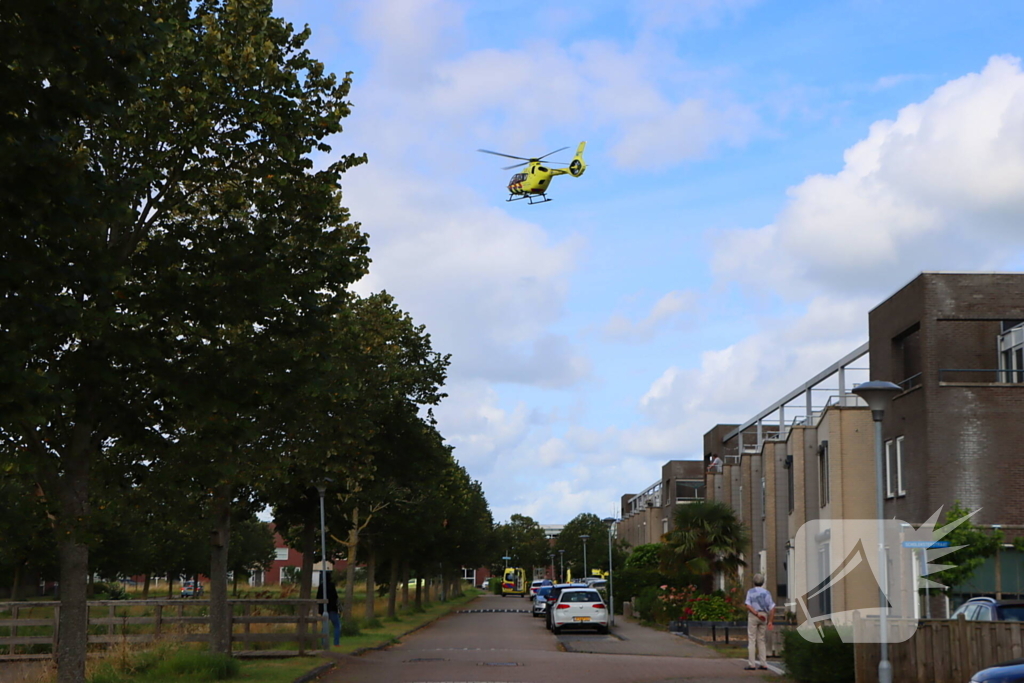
(762, 612)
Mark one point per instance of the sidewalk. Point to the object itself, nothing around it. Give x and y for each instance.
(630, 638)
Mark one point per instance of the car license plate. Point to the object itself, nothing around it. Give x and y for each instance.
(581, 618)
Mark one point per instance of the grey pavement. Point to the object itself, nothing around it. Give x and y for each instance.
(490, 647)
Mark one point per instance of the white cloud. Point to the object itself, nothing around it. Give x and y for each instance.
(621, 328)
(938, 188)
(486, 285)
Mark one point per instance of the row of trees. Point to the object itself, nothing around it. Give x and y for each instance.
(181, 343)
(524, 541)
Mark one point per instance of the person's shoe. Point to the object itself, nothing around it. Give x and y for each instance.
(750, 668)
(763, 667)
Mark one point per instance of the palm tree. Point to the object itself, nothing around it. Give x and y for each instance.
(707, 540)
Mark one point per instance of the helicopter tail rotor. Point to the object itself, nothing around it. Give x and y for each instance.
(577, 166)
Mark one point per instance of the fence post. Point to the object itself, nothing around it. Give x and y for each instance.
(14, 628)
(301, 628)
(56, 628)
(181, 615)
(110, 616)
(158, 619)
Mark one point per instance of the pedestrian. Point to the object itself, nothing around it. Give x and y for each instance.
(716, 465)
(332, 606)
(762, 612)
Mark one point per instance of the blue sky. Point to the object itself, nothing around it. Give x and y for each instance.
(760, 174)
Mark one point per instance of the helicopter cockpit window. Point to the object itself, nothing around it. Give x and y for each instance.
(518, 178)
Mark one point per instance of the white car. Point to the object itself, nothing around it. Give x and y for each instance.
(579, 608)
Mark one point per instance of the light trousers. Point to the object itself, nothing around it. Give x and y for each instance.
(756, 635)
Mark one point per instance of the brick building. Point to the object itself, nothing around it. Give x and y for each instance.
(954, 342)
(647, 515)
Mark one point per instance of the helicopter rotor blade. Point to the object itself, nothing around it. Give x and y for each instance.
(550, 153)
(507, 168)
(499, 154)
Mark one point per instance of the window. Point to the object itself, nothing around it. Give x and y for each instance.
(1011, 352)
(790, 482)
(281, 554)
(888, 469)
(764, 498)
(468, 574)
(689, 489)
(901, 489)
(823, 492)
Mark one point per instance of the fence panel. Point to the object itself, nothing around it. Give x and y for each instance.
(31, 630)
(944, 651)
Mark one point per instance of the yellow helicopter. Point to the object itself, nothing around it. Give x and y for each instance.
(533, 181)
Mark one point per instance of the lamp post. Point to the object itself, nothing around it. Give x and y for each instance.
(551, 563)
(878, 395)
(610, 521)
(561, 563)
(322, 489)
(584, 537)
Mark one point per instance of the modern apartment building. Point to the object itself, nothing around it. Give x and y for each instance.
(954, 342)
(647, 515)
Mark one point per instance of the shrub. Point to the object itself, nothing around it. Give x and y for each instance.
(649, 605)
(630, 582)
(349, 627)
(372, 623)
(830, 661)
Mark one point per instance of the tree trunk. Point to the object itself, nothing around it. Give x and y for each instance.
(145, 587)
(74, 611)
(350, 570)
(370, 611)
(405, 584)
(170, 585)
(393, 586)
(419, 592)
(306, 580)
(220, 612)
(17, 580)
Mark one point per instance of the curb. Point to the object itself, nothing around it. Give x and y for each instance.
(323, 669)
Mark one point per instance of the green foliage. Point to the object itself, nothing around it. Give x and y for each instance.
(109, 590)
(597, 545)
(646, 556)
(524, 541)
(349, 627)
(630, 582)
(495, 584)
(648, 605)
(164, 664)
(979, 546)
(830, 661)
(707, 539)
(372, 624)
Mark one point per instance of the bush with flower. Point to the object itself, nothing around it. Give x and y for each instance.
(687, 604)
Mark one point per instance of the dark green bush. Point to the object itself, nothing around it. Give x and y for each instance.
(830, 661)
(648, 605)
(630, 582)
(349, 627)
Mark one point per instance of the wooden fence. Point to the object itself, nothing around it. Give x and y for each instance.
(944, 651)
(30, 630)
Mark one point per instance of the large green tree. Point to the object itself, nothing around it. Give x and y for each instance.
(169, 247)
(523, 539)
(570, 540)
(977, 545)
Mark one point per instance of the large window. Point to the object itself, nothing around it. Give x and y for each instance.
(791, 482)
(689, 489)
(894, 469)
(823, 492)
(889, 469)
(901, 489)
(1011, 352)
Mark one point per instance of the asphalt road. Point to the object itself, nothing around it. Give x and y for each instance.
(483, 646)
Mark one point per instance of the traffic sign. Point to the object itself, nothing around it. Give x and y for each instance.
(925, 544)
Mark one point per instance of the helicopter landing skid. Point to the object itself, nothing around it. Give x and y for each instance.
(530, 198)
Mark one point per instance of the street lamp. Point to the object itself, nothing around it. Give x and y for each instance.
(322, 489)
(610, 521)
(561, 563)
(584, 537)
(551, 563)
(878, 395)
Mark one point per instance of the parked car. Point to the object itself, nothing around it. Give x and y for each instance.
(540, 601)
(579, 608)
(556, 590)
(990, 609)
(1007, 672)
(191, 589)
(536, 585)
